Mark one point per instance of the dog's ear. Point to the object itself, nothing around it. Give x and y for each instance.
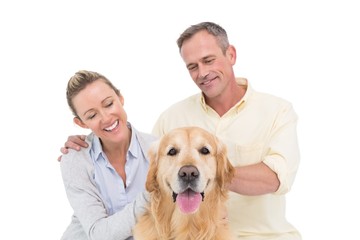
(225, 170)
(151, 183)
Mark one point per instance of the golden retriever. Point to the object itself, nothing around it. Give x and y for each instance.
(187, 179)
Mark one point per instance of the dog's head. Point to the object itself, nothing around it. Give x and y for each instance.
(187, 164)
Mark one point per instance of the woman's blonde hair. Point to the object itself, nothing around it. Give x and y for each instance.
(79, 81)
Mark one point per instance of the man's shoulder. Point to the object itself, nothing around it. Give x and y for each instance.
(271, 104)
(185, 103)
(263, 96)
(270, 98)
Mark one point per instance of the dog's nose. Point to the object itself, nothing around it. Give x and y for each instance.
(188, 173)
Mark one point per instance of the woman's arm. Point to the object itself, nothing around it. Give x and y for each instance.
(85, 199)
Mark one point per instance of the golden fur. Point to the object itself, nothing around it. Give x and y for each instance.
(206, 170)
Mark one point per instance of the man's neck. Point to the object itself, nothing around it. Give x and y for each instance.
(223, 103)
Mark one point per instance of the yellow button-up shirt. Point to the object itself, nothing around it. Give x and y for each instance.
(260, 127)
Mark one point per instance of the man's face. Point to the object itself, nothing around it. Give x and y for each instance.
(209, 68)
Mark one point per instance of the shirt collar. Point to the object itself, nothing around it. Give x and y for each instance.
(133, 141)
(96, 147)
(241, 82)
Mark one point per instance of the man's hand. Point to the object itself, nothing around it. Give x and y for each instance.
(75, 142)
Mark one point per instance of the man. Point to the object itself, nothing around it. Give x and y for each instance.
(259, 131)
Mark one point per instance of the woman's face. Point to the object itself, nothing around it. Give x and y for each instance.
(101, 110)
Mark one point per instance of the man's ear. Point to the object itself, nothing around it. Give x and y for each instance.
(80, 123)
(231, 52)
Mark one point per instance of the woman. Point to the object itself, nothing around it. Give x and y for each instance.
(104, 182)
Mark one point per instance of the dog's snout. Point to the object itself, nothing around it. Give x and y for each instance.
(188, 173)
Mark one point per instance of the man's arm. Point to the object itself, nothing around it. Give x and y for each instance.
(254, 180)
(75, 142)
(276, 173)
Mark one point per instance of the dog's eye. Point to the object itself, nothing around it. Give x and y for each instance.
(204, 150)
(172, 152)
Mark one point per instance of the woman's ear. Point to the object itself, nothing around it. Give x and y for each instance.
(121, 99)
(80, 123)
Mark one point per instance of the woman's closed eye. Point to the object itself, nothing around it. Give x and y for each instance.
(91, 116)
(109, 104)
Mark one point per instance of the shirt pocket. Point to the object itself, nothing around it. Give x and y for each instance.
(242, 155)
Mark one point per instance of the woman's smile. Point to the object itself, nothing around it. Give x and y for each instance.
(114, 125)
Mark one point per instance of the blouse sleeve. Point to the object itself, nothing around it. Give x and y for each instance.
(85, 199)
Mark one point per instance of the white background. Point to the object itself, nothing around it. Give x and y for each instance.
(307, 52)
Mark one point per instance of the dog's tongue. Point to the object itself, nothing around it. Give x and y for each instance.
(188, 201)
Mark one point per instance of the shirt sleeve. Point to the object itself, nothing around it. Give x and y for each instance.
(283, 156)
(88, 206)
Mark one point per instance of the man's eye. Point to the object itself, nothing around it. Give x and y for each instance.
(192, 68)
(209, 61)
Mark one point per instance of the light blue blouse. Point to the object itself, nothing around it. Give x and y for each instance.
(97, 194)
(110, 184)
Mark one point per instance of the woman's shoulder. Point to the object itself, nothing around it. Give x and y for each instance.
(77, 167)
(81, 158)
